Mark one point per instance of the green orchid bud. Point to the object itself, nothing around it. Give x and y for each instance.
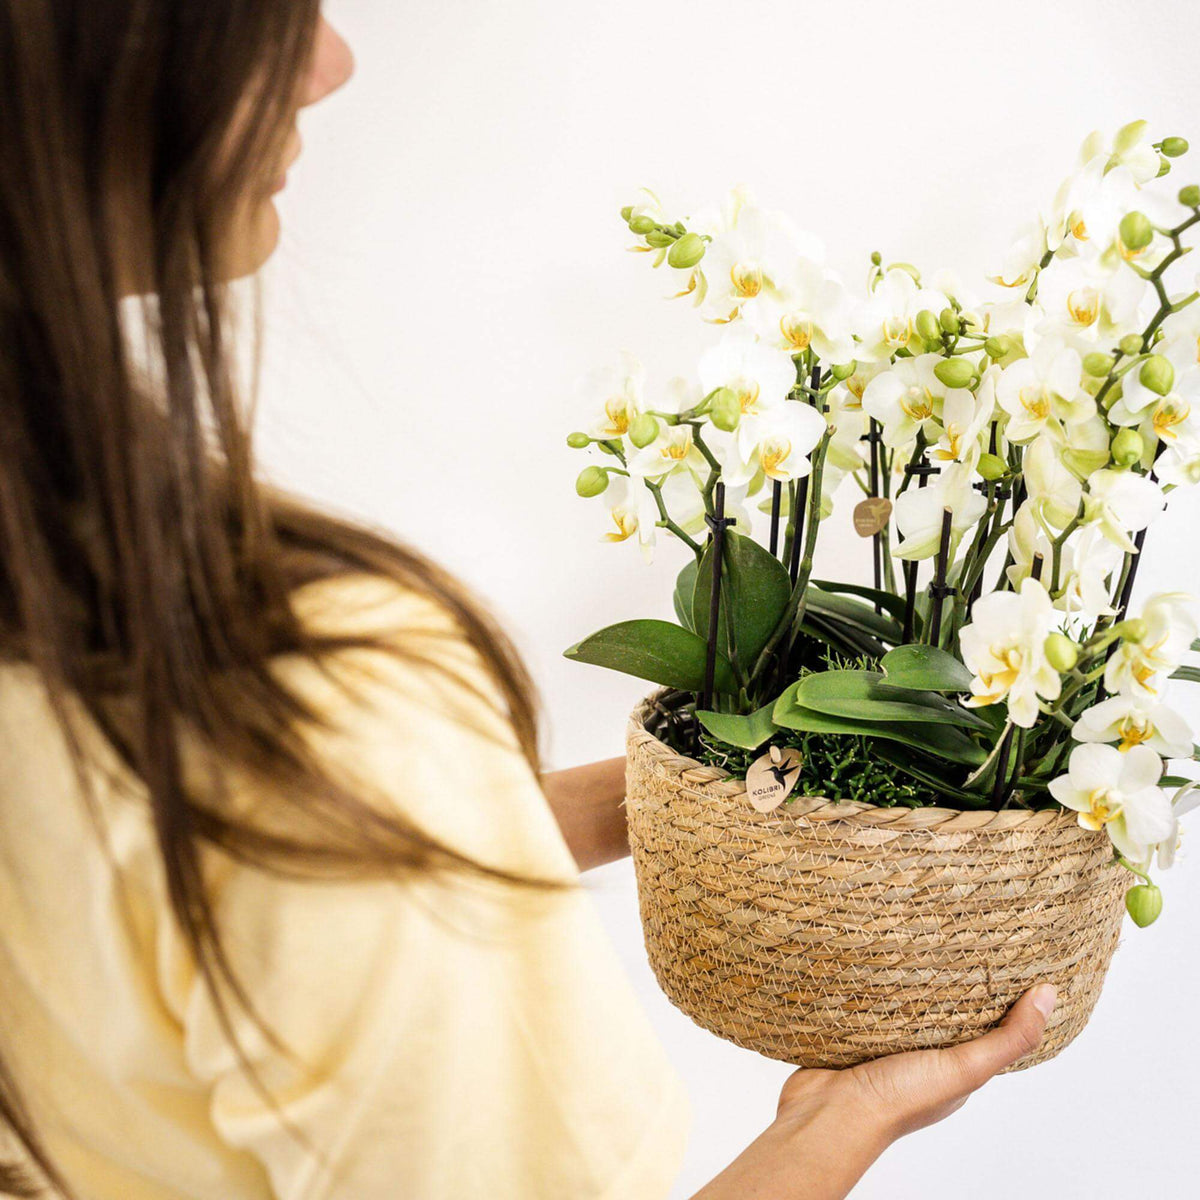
(627, 213)
(1144, 904)
(876, 258)
(997, 347)
(843, 371)
(1131, 344)
(992, 467)
(1097, 365)
(1158, 375)
(1136, 231)
(1164, 167)
(643, 430)
(643, 224)
(949, 321)
(1174, 147)
(687, 252)
(1190, 195)
(1128, 447)
(954, 372)
(1061, 653)
(659, 240)
(592, 481)
(725, 409)
(928, 327)
(577, 441)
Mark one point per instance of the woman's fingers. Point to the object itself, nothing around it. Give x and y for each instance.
(1019, 1034)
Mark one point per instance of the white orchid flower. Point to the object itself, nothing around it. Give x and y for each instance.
(1179, 466)
(811, 309)
(760, 375)
(1133, 722)
(886, 322)
(1139, 668)
(1043, 392)
(1183, 802)
(965, 419)
(674, 450)
(632, 512)
(920, 512)
(1090, 563)
(1170, 418)
(617, 392)
(1127, 148)
(1090, 205)
(1053, 490)
(1023, 257)
(1121, 503)
(1084, 303)
(906, 398)
(776, 442)
(1004, 646)
(755, 257)
(1118, 793)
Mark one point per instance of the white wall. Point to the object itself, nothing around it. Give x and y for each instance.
(452, 260)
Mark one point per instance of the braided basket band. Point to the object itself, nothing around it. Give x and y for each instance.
(826, 933)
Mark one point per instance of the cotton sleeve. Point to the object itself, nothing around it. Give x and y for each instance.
(461, 1039)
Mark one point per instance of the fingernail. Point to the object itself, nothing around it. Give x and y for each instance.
(1044, 997)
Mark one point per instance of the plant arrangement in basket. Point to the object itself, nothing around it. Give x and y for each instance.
(1008, 455)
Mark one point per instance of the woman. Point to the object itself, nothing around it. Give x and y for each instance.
(287, 908)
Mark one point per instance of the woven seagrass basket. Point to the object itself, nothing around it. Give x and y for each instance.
(824, 934)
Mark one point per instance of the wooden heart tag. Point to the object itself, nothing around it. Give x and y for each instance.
(771, 777)
(871, 515)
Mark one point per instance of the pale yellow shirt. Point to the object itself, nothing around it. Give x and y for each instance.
(468, 1042)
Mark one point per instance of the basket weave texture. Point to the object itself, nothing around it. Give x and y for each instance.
(824, 934)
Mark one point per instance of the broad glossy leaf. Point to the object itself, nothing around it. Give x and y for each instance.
(758, 592)
(748, 732)
(685, 587)
(886, 600)
(654, 650)
(940, 741)
(863, 696)
(926, 668)
(854, 612)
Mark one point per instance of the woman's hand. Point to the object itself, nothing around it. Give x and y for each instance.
(831, 1125)
(589, 804)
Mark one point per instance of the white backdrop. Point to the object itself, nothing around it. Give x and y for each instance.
(452, 260)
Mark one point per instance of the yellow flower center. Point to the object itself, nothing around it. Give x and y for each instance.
(856, 385)
(676, 450)
(617, 410)
(1084, 305)
(1167, 415)
(953, 448)
(1134, 730)
(747, 394)
(896, 333)
(747, 280)
(772, 454)
(1035, 402)
(1078, 228)
(1104, 806)
(917, 402)
(797, 330)
(626, 523)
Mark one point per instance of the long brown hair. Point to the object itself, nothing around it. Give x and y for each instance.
(140, 555)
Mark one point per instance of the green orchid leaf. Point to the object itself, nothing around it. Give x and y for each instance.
(747, 732)
(757, 587)
(854, 612)
(863, 696)
(654, 650)
(925, 668)
(886, 600)
(685, 588)
(1187, 674)
(939, 741)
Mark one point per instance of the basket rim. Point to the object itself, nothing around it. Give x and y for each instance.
(717, 782)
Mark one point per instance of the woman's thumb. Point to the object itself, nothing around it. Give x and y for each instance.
(1019, 1034)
